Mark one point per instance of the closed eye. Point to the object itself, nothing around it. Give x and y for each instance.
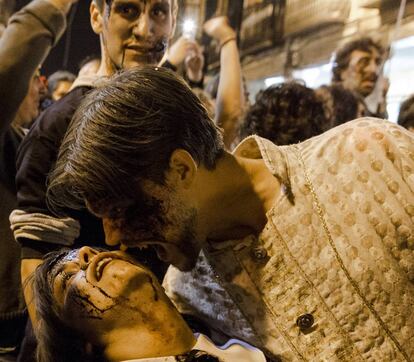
(65, 277)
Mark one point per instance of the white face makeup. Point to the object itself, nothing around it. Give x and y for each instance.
(137, 32)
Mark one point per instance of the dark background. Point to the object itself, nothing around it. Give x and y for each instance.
(77, 42)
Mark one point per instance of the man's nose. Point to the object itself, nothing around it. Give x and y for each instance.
(143, 26)
(86, 254)
(372, 66)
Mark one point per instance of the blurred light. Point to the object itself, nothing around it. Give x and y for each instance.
(315, 76)
(404, 43)
(189, 28)
(273, 80)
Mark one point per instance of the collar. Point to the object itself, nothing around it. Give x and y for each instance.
(87, 80)
(274, 157)
(233, 350)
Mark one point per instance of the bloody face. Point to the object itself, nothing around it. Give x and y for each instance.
(362, 72)
(136, 32)
(99, 291)
(164, 221)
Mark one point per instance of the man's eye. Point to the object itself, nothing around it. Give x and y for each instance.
(127, 11)
(364, 62)
(66, 276)
(160, 10)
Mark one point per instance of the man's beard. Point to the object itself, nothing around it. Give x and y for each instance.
(188, 244)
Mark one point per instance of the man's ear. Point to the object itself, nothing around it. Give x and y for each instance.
(96, 18)
(183, 168)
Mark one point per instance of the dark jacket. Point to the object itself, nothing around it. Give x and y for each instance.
(24, 45)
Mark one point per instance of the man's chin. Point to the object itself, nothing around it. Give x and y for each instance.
(366, 90)
(139, 60)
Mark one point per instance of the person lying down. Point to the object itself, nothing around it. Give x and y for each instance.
(103, 306)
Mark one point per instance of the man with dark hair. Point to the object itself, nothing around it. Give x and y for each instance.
(306, 249)
(406, 115)
(357, 65)
(131, 33)
(285, 114)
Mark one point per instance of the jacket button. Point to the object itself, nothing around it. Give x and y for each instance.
(305, 321)
(259, 253)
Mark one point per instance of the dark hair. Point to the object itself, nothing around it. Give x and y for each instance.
(56, 339)
(59, 76)
(126, 131)
(406, 115)
(340, 105)
(343, 55)
(285, 113)
(100, 4)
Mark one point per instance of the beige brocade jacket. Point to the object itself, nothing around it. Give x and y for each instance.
(331, 277)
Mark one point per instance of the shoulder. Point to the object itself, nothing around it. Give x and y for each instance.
(363, 135)
(53, 122)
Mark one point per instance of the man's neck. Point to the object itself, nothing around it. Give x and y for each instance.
(245, 191)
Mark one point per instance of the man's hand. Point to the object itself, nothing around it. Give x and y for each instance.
(179, 50)
(219, 29)
(63, 5)
(194, 64)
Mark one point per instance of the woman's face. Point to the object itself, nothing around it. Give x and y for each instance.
(99, 291)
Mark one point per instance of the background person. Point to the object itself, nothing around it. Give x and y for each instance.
(228, 107)
(24, 44)
(357, 66)
(59, 83)
(286, 113)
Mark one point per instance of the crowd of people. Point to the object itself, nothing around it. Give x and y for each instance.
(281, 230)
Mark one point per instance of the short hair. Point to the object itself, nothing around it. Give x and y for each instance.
(125, 131)
(406, 115)
(100, 4)
(59, 76)
(57, 340)
(340, 105)
(343, 55)
(285, 113)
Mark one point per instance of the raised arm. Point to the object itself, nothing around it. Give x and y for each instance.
(24, 45)
(230, 100)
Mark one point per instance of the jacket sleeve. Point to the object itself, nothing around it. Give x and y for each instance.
(25, 43)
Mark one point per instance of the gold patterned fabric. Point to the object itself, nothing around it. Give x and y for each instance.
(331, 276)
